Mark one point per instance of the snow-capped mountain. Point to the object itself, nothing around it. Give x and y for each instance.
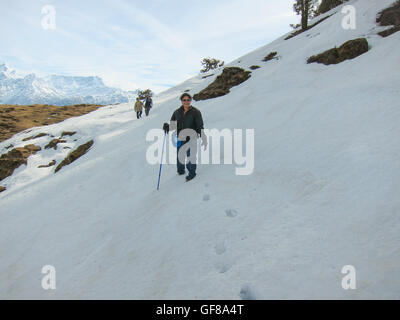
(324, 193)
(57, 90)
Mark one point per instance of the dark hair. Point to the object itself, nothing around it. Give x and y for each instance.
(186, 95)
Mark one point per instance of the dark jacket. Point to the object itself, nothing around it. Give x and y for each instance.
(191, 120)
(149, 103)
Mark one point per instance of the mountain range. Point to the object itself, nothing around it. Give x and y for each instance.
(57, 89)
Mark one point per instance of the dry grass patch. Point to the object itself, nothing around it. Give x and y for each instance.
(16, 118)
(74, 155)
(14, 158)
(390, 17)
(230, 77)
(349, 50)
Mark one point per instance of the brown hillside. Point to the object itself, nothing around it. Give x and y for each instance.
(16, 118)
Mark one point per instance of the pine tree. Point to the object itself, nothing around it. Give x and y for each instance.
(142, 94)
(210, 64)
(305, 8)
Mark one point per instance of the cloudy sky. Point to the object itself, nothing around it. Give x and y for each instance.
(135, 44)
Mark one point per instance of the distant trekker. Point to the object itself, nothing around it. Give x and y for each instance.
(138, 108)
(148, 104)
(187, 117)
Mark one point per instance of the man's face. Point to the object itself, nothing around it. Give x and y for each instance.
(186, 101)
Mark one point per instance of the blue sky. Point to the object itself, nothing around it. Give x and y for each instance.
(136, 44)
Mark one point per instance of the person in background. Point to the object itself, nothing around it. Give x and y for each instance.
(138, 108)
(148, 105)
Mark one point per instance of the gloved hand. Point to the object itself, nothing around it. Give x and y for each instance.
(166, 127)
(204, 141)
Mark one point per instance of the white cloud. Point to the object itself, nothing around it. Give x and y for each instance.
(134, 44)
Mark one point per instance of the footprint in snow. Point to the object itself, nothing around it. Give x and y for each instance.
(220, 247)
(231, 213)
(206, 197)
(246, 293)
(223, 267)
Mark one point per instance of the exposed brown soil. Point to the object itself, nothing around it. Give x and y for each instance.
(349, 50)
(388, 32)
(53, 143)
(16, 118)
(14, 158)
(67, 133)
(51, 163)
(34, 137)
(75, 154)
(390, 17)
(230, 77)
(2, 189)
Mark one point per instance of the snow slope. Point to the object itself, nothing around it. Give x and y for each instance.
(323, 194)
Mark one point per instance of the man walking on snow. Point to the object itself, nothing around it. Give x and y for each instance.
(189, 118)
(147, 105)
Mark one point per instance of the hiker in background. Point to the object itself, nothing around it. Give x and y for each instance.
(138, 108)
(148, 104)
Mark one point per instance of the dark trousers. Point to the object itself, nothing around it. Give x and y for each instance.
(138, 114)
(190, 166)
(147, 110)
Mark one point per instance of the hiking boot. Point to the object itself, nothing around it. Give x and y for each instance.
(188, 177)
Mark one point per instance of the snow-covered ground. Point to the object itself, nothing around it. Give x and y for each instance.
(323, 194)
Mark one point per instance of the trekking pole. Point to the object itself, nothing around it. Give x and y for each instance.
(162, 155)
